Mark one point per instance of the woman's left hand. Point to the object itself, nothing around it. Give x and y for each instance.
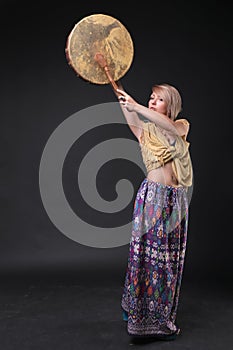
(126, 100)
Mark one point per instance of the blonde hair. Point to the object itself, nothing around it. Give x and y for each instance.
(172, 98)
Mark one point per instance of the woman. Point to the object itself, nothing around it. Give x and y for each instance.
(160, 218)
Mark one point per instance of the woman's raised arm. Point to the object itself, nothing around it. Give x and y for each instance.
(131, 106)
(132, 118)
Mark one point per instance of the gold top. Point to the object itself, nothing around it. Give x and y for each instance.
(156, 151)
(102, 34)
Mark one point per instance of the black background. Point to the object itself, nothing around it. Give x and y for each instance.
(178, 42)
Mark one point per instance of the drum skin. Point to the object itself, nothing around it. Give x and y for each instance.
(104, 34)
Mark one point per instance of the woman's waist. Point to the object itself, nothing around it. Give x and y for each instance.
(163, 175)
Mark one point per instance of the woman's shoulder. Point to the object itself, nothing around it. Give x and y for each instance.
(183, 121)
(182, 125)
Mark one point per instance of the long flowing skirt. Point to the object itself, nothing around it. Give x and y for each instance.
(156, 259)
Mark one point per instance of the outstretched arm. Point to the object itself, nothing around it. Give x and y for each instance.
(131, 106)
(132, 118)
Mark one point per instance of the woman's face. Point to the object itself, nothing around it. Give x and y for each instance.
(157, 103)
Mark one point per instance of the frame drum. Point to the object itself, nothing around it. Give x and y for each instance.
(104, 35)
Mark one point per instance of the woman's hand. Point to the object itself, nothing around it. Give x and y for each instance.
(126, 100)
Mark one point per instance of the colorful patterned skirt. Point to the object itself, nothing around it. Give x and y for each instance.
(156, 259)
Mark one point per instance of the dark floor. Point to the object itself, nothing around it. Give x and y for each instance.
(64, 314)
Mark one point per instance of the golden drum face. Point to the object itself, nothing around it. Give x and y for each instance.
(102, 34)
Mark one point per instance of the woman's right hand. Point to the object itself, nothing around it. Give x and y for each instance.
(126, 100)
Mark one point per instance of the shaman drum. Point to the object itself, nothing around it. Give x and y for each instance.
(100, 49)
